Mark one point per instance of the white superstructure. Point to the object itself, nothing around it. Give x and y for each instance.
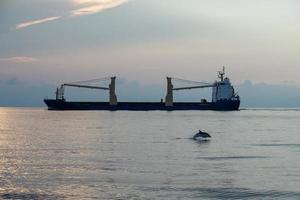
(223, 90)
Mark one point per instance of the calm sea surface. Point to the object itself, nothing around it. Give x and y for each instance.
(253, 154)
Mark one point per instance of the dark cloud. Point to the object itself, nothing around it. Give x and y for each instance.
(268, 95)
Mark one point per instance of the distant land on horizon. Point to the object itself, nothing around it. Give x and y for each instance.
(253, 95)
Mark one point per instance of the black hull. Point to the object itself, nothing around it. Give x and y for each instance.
(226, 105)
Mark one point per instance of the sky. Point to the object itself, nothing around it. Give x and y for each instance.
(45, 43)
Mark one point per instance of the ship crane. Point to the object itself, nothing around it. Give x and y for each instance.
(170, 88)
(85, 84)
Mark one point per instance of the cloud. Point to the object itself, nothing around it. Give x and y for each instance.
(19, 59)
(86, 7)
(268, 95)
(35, 22)
(95, 6)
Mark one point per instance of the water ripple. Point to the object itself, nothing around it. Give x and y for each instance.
(226, 193)
(232, 157)
(29, 196)
(279, 145)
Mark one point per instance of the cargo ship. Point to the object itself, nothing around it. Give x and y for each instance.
(224, 98)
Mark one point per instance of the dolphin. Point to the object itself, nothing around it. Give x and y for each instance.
(200, 136)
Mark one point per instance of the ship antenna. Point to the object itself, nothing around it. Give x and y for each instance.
(222, 73)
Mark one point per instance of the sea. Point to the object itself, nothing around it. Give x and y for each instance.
(253, 154)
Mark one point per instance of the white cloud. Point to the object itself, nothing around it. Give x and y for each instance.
(95, 6)
(19, 59)
(85, 7)
(35, 22)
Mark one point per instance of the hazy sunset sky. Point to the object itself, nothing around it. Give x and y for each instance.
(51, 41)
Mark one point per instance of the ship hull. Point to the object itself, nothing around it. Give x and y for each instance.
(226, 105)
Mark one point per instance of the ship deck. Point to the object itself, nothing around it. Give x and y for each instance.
(140, 106)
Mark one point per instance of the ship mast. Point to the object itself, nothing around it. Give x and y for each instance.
(221, 74)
